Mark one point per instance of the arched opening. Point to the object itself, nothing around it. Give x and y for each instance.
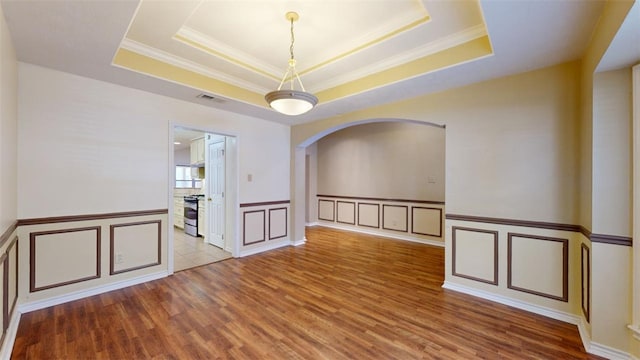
(381, 176)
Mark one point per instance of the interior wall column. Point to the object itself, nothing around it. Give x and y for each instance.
(298, 195)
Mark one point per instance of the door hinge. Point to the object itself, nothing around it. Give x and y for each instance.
(223, 194)
(222, 236)
(222, 152)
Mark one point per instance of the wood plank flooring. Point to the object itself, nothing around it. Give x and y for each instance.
(340, 296)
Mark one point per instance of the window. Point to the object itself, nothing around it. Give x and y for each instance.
(184, 180)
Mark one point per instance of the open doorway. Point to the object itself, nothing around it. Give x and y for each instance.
(201, 213)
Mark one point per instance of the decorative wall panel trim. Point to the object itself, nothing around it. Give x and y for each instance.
(6, 235)
(611, 239)
(70, 218)
(244, 227)
(286, 214)
(406, 217)
(12, 305)
(112, 240)
(266, 203)
(333, 208)
(439, 234)
(33, 261)
(585, 274)
(454, 272)
(382, 199)
(565, 266)
(512, 222)
(5, 292)
(338, 212)
(377, 226)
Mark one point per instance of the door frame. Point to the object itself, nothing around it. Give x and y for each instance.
(207, 158)
(232, 196)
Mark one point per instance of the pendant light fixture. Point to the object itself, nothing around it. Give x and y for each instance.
(291, 102)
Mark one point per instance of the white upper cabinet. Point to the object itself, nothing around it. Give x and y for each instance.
(197, 151)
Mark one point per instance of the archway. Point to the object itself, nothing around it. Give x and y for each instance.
(299, 173)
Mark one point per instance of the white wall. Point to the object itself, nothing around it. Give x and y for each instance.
(182, 156)
(87, 146)
(392, 160)
(8, 128)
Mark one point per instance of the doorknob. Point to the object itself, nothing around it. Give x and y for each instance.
(209, 199)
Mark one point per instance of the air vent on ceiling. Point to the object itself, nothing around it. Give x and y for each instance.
(206, 96)
(210, 98)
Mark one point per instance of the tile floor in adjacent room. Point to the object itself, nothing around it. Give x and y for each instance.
(189, 251)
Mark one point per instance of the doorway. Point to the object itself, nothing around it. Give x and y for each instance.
(201, 170)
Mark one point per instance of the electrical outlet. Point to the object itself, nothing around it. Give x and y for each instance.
(119, 258)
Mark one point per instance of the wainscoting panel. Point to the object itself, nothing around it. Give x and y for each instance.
(395, 217)
(538, 265)
(51, 260)
(278, 223)
(134, 245)
(475, 254)
(254, 227)
(346, 212)
(11, 281)
(4, 319)
(265, 226)
(326, 210)
(585, 281)
(369, 215)
(426, 221)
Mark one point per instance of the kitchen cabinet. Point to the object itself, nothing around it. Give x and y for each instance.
(197, 151)
(201, 218)
(178, 212)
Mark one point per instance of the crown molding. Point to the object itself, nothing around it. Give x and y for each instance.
(433, 47)
(171, 59)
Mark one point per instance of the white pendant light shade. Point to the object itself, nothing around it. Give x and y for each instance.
(291, 102)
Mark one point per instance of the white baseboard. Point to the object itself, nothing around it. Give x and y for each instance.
(607, 352)
(384, 234)
(267, 247)
(61, 299)
(299, 242)
(313, 223)
(590, 346)
(536, 309)
(10, 336)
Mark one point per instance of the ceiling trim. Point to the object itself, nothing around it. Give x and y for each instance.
(204, 43)
(366, 45)
(433, 47)
(168, 58)
(469, 51)
(146, 65)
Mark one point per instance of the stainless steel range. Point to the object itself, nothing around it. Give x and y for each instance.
(191, 214)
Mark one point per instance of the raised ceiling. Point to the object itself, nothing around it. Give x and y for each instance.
(352, 54)
(240, 50)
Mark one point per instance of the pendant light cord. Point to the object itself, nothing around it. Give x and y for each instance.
(293, 39)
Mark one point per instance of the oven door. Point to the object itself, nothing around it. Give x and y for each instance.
(191, 217)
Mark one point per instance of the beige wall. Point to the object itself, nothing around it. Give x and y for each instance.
(511, 143)
(612, 153)
(391, 160)
(8, 128)
(87, 146)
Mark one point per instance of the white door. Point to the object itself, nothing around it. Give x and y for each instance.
(215, 198)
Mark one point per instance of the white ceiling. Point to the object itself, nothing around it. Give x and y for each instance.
(240, 46)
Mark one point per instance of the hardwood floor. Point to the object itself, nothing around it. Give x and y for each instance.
(340, 296)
